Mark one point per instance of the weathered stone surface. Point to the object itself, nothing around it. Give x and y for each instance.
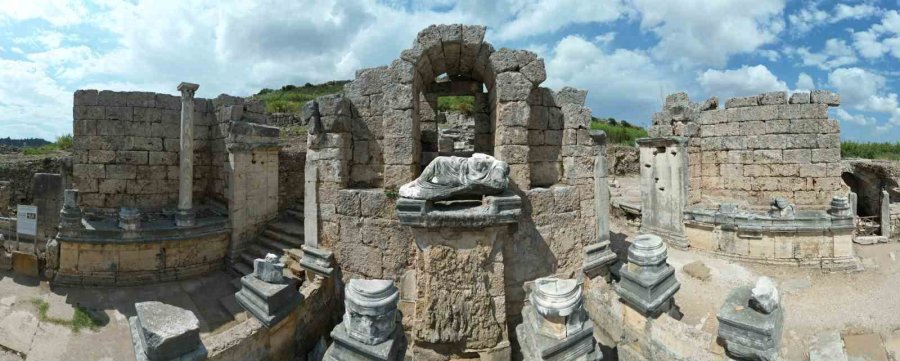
(740, 102)
(825, 97)
(269, 269)
(710, 104)
(165, 332)
(535, 72)
(447, 177)
(772, 98)
(648, 283)
(569, 95)
(748, 333)
(371, 310)
(764, 296)
(799, 98)
(512, 86)
(827, 346)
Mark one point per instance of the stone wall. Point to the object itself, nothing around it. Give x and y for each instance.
(18, 170)
(758, 148)
(369, 142)
(291, 165)
(126, 149)
(623, 160)
(138, 263)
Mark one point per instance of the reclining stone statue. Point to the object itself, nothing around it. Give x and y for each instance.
(447, 177)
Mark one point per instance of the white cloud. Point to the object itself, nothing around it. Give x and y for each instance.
(56, 12)
(810, 16)
(880, 38)
(865, 91)
(708, 32)
(33, 103)
(621, 80)
(747, 80)
(836, 53)
(857, 119)
(545, 16)
(805, 82)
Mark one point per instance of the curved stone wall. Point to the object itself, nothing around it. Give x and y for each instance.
(810, 238)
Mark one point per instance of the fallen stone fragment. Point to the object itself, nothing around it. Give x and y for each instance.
(697, 270)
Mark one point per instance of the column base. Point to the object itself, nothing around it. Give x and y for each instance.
(185, 218)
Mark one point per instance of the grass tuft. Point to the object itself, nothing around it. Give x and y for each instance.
(290, 98)
(620, 132)
(81, 319)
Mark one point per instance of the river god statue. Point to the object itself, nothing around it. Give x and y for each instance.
(447, 177)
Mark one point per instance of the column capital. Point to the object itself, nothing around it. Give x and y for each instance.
(188, 89)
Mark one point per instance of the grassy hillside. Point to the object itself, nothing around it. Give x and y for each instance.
(290, 98)
(619, 131)
(851, 149)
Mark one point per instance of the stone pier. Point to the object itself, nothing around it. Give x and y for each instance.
(555, 325)
(185, 217)
(648, 283)
(370, 329)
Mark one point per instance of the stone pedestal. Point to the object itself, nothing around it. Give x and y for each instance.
(316, 261)
(460, 306)
(751, 322)
(555, 325)
(266, 294)
(185, 215)
(129, 219)
(164, 332)
(647, 282)
(369, 330)
(70, 215)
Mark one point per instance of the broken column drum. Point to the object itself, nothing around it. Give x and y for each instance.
(370, 329)
(648, 283)
(460, 306)
(555, 325)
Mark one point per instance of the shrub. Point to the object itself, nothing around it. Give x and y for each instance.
(64, 142)
(851, 149)
(621, 133)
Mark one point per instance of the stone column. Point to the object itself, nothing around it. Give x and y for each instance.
(597, 255)
(185, 216)
(885, 214)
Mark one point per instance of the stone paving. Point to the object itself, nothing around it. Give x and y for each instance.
(24, 336)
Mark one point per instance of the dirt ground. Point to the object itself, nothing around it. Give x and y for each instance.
(859, 303)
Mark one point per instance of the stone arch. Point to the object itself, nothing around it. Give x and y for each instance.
(510, 77)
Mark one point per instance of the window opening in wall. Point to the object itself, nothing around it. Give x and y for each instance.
(456, 125)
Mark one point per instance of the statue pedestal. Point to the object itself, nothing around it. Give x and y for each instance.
(268, 302)
(460, 302)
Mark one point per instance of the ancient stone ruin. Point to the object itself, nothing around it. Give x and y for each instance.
(408, 233)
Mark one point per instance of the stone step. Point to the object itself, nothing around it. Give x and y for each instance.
(247, 259)
(242, 268)
(261, 249)
(287, 239)
(274, 244)
(294, 213)
(289, 228)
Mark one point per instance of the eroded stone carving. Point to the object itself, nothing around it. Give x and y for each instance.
(269, 269)
(447, 177)
(781, 208)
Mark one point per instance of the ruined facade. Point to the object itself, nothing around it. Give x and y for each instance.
(761, 180)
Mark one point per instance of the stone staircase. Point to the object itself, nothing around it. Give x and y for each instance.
(282, 237)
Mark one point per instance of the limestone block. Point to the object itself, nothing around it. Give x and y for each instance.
(738, 102)
(747, 332)
(111, 98)
(771, 98)
(513, 86)
(575, 116)
(165, 332)
(825, 97)
(535, 71)
(797, 156)
(799, 98)
(710, 104)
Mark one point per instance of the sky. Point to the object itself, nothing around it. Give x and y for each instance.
(628, 54)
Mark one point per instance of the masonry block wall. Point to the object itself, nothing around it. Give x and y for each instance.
(758, 148)
(126, 149)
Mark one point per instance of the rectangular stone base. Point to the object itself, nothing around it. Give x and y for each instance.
(579, 346)
(749, 333)
(649, 296)
(269, 303)
(141, 355)
(346, 348)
